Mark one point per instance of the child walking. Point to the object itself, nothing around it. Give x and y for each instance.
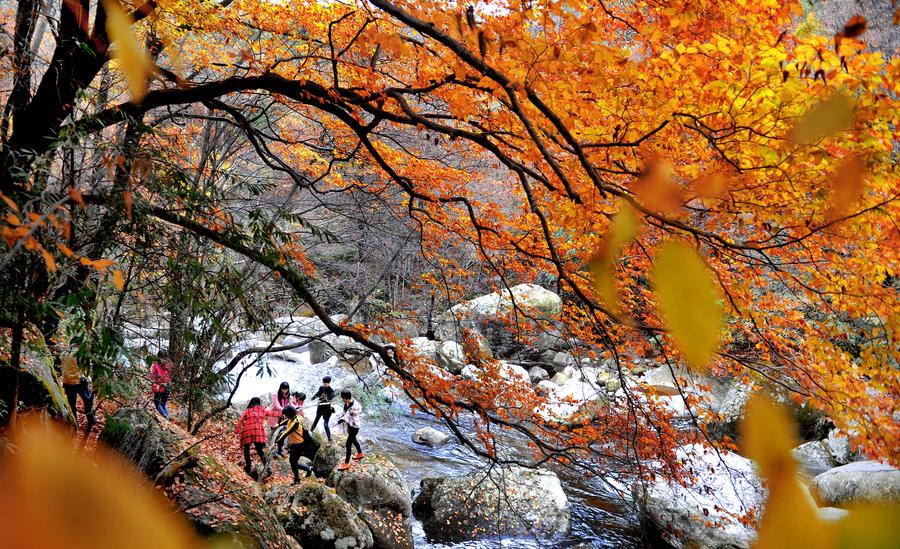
(325, 395)
(251, 429)
(161, 376)
(350, 417)
(293, 434)
(77, 384)
(280, 400)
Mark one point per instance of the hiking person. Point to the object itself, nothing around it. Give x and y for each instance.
(251, 430)
(350, 417)
(293, 434)
(280, 400)
(325, 395)
(76, 384)
(161, 377)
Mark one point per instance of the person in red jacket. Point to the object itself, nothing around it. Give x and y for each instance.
(252, 431)
(160, 377)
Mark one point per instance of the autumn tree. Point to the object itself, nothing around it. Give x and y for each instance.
(703, 185)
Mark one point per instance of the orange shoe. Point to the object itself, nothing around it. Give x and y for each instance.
(359, 456)
(343, 466)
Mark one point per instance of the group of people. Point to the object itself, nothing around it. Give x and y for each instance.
(285, 415)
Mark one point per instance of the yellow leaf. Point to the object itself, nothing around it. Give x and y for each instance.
(54, 496)
(687, 296)
(768, 436)
(118, 280)
(830, 116)
(869, 527)
(603, 265)
(791, 519)
(129, 53)
(48, 260)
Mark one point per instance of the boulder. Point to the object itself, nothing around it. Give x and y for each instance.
(537, 374)
(377, 490)
(504, 501)
(329, 456)
(220, 499)
(514, 372)
(316, 516)
(451, 357)
(424, 347)
(430, 436)
(814, 457)
(839, 447)
(660, 380)
(37, 384)
(530, 325)
(546, 388)
(859, 482)
(700, 515)
(470, 372)
(560, 360)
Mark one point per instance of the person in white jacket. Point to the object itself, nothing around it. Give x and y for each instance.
(351, 418)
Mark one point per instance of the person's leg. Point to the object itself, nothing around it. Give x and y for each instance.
(71, 395)
(157, 402)
(326, 419)
(247, 467)
(294, 459)
(356, 440)
(261, 452)
(349, 444)
(87, 400)
(316, 421)
(164, 398)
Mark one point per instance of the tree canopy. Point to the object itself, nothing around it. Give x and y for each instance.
(705, 183)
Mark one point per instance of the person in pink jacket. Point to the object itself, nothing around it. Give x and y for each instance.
(161, 377)
(280, 400)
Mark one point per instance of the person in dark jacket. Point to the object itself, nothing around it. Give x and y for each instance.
(252, 431)
(324, 395)
(294, 434)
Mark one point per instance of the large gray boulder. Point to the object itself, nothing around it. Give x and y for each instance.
(537, 374)
(316, 516)
(524, 318)
(377, 490)
(702, 515)
(451, 356)
(329, 456)
(429, 436)
(505, 501)
(814, 457)
(859, 482)
(220, 499)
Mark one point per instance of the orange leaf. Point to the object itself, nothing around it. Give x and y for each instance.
(75, 195)
(126, 198)
(48, 260)
(118, 280)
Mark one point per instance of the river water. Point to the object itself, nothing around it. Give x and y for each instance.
(599, 517)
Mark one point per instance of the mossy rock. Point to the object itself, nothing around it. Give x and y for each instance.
(317, 517)
(378, 490)
(216, 496)
(38, 386)
(328, 457)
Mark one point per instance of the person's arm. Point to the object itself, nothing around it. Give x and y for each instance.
(288, 431)
(318, 393)
(240, 424)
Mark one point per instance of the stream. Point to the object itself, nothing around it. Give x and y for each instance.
(599, 517)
